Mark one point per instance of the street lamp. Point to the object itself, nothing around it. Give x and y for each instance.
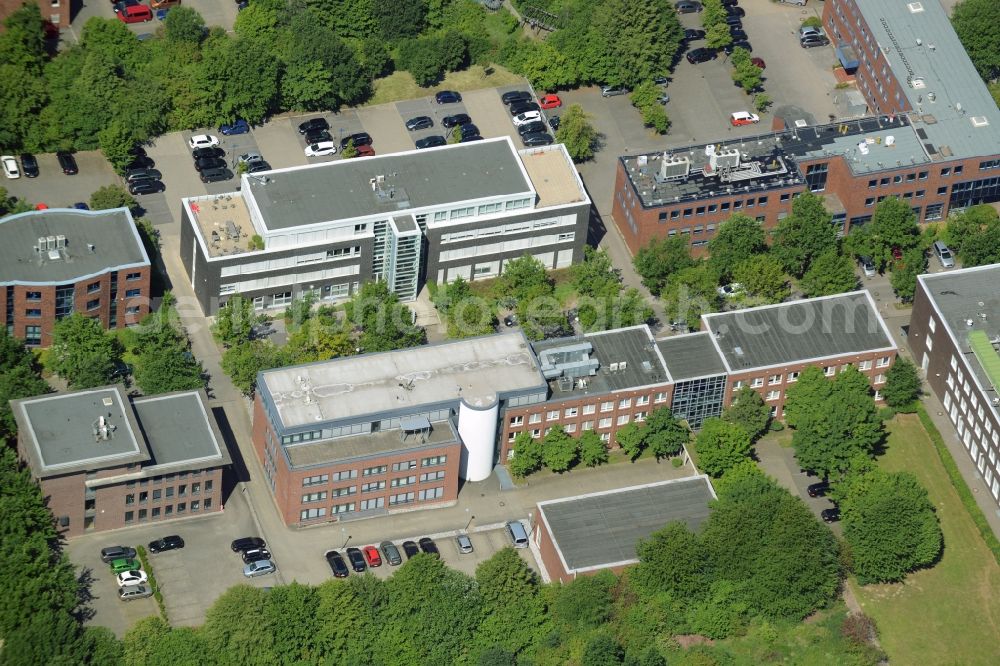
(471, 518)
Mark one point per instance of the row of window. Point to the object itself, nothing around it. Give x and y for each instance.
(320, 479)
(373, 503)
(829, 371)
(602, 424)
(168, 510)
(710, 209)
(571, 412)
(168, 493)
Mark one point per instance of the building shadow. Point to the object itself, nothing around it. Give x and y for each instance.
(239, 472)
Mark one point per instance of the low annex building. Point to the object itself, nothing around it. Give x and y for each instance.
(105, 460)
(58, 261)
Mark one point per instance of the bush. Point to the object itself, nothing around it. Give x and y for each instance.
(777, 426)
(813, 22)
(677, 462)
(886, 413)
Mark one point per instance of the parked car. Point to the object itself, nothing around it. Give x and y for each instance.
(10, 168)
(536, 126)
(550, 102)
(687, 7)
(209, 163)
(371, 556)
(337, 564)
(735, 10)
(733, 21)
(29, 165)
(455, 120)
(810, 41)
(419, 123)
(134, 592)
(159, 4)
(701, 55)
(239, 126)
(321, 149)
(391, 553)
(663, 99)
(259, 568)
(365, 151)
(171, 542)
(255, 554)
(410, 548)
(79, 205)
(359, 139)
(758, 62)
(140, 187)
(515, 96)
(256, 166)
(537, 139)
(527, 117)
(357, 560)
(466, 138)
(867, 266)
(613, 91)
(249, 157)
(943, 254)
(133, 13)
(117, 552)
(554, 122)
(518, 108)
(142, 174)
(464, 544)
(131, 577)
(739, 118)
(468, 129)
(67, 163)
(809, 30)
(124, 564)
(742, 44)
(738, 34)
(247, 543)
(731, 290)
(517, 534)
(201, 153)
(692, 34)
(447, 97)
(318, 136)
(428, 546)
(431, 141)
(203, 141)
(830, 515)
(313, 124)
(818, 489)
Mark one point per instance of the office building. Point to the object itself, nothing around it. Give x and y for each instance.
(105, 460)
(954, 335)
(405, 218)
(932, 139)
(55, 262)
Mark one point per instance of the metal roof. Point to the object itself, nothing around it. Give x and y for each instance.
(603, 529)
(92, 242)
(691, 355)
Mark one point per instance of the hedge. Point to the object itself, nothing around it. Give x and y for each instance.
(153, 585)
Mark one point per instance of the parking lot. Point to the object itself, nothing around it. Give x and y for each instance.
(215, 12)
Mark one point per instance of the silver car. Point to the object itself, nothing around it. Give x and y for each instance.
(259, 568)
(464, 543)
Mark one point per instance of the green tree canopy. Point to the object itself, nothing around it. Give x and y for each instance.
(660, 259)
(974, 234)
(596, 275)
(384, 323)
(235, 321)
(664, 433)
(112, 196)
(576, 133)
(559, 450)
(593, 450)
(893, 225)
(804, 235)
(749, 411)
(527, 455)
(762, 279)
(690, 293)
(976, 23)
(721, 445)
(243, 361)
(739, 238)
(631, 439)
(513, 610)
(82, 353)
(633, 40)
(18, 379)
(466, 313)
(184, 24)
(902, 383)
(829, 273)
(905, 272)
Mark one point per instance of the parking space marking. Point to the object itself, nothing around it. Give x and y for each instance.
(280, 143)
(387, 128)
(490, 115)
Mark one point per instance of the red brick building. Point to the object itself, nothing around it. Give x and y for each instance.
(106, 461)
(58, 13)
(59, 261)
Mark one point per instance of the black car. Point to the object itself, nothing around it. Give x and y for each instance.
(357, 560)
(537, 139)
(419, 123)
(830, 515)
(145, 187)
(730, 3)
(410, 549)
(202, 153)
(692, 34)
(140, 162)
(317, 135)
(530, 128)
(688, 7)
(337, 564)
(171, 542)
(247, 543)
(701, 55)
(256, 166)
(457, 119)
(132, 175)
(809, 41)
(313, 124)
(515, 96)
(742, 44)
(468, 129)
(467, 138)
(29, 165)
(431, 141)
(732, 21)
(117, 553)
(517, 108)
(359, 139)
(738, 34)
(210, 163)
(818, 489)
(255, 554)
(428, 546)
(447, 97)
(733, 10)
(554, 122)
(67, 163)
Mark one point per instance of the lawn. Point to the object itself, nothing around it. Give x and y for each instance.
(949, 614)
(400, 85)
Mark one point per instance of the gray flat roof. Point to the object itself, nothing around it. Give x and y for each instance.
(58, 431)
(370, 444)
(929, 61)
(342, 189)
(179, 429)
(476, 370)
(691, 355)
(603, 529)
(798, 331)
(112, 234)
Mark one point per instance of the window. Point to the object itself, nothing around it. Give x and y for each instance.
(432, 476)
(130, 516)
(181, 507)
(94, 304)
(314, 497)
(624, 403)
(342, 508)
(402, 498)
(170, 492)
(535, 418)
(774, 379)
(157, 494)
(607, 406)
(371, 471)
(946, 171)
(143, 497)
(756, 382)
(133, 276)
(182, 490)
(660, 397)
(883, 362)
(737, 385)
(932, 324)
(373, 486)
(431, 493)
(623, 419)
(536, 433)
(773, 395)
(816, 177)
(132, 309)
(570, 427)
(829, 370)
(32, 295)
(604, 423)
(792, 377)
(872, 183)
(130, 499)
(281, 299)
(879, 379)
(589, 409)
(642, 400)
(195, 505)
(933, 212)
(954, 363)
(309, 514)
(403, 466)
(433, 461)
(517, 421)
(587, 425)
(33, 313)
(93, 286)
(403, 481)
(375, 503)
(156, 512)
(865, 365)
(640, 417)
(315, 480)
(208, 488)
(129, 293)
(570, 412)
(552, 415)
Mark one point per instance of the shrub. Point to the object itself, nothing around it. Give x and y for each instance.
(677, 462)
(777, 426)
(886, 413)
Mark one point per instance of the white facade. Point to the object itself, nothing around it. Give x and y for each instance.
(477, 427)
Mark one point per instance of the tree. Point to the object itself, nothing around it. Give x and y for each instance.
(559, 450)
(117, 141)
(974, 234)
(745, 74)
(399, 19)
(184, 24)
(655, 116)
(384, 323)
(672, 560)
(890, 525)
(243, 361)
(601, 650)
(902, 383)
(664, 433)
(112, 196)
(721, 445)
(804, 235)
(606, 313)
(829, 273)
(232, 626)
(749, 411)
(739, 238)
(584, 603)
(718, 36)
(523, 278)
(527, 455)
(18, 379)
(975, 23)
(513, 610)
(82, 353)
(576, 133)
(893, 226)
(596, 276)
(689, 293)
(661, 258)
(422, 58)
(466, 314)
(762, 279)
(632, 40)
(235, 321)
(593, 450)
(631, 439)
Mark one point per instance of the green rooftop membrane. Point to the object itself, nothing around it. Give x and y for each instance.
(987, 356)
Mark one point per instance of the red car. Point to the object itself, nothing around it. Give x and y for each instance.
(897, 253)
(743, 118)
(371, 554)
(365, 151)
(129, 13)
(758, 62)
(550, 102)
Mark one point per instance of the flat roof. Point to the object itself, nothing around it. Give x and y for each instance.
(809, 329)
(476, 370)
(691, 355)
(343, 189)
(179, 429)
(60, 431)
(79, 243)
(223, 221)
(553, 176)
(936, 75)
(626, 358)
(603, 529)
(369, 444)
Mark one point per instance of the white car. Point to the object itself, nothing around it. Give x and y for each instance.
(731, 290)
(527, 117)
(126, 578)
(10, 167)
(203, 141)
(321, 149)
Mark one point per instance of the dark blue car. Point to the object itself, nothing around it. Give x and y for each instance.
(239, 127)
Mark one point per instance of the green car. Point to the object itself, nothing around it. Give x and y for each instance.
(123, 564)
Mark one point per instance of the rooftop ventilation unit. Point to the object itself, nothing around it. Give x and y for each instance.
(919, 81)
(673, 168)
(979, 121)
(569, 360)
(915, 7)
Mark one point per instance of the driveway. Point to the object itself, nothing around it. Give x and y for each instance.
(58, 190)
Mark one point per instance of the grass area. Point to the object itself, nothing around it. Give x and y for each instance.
(949, 614)
(400, 85)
